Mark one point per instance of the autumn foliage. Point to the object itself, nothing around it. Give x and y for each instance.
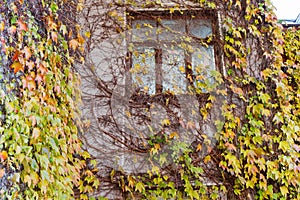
(41, 156)
(254, 153)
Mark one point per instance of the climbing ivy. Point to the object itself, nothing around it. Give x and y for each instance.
(257, 150)
(41, 154)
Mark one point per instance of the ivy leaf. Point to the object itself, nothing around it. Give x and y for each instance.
(54, 36)
(22, 25)
(36, 133)
(139, 187)
(3, 155)
(2, 172)
(17, 66)
(28, 82)
(73, 44)
(284, 145)
(27, 52)
(2, 25)
(12, 29)
(284, 190)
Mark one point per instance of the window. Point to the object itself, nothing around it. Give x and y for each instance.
(172, 52)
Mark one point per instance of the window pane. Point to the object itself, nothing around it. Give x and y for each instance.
(200, 28)
(203, 63)
(143, 69)
(171, 29)
(143, 30)
(173, 70)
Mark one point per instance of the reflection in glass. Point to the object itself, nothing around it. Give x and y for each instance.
(143, 69)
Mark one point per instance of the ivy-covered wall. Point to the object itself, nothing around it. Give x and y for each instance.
(256, 152)
(40, 154)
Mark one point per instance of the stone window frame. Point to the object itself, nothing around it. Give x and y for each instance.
(153, 14)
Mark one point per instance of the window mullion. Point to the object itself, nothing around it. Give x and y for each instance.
(189, 70)
(158, 70)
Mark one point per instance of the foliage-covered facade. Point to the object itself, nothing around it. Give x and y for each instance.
(181, 99)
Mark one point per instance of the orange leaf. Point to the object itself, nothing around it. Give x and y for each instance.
(73, 44)
(80, 39)
(17, 67)
(54, 36)
(3, 155)
(22, 25)
(16, 56)
(2, 172)
(2, 25)
(230, 146)
(42, 69)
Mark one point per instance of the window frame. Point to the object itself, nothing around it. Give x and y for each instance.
(201, 14)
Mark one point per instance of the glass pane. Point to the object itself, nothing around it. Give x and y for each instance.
(200, 28)
(173, 70)
(203, 63)
(171, 29)
(143, 69)
(143, 30)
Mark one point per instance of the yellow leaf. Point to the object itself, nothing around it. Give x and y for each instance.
(157, 146)
(166, 122)
(207, 159)
(199, 147)
(173, 135)
(182, 69)
(79, 6)
(284, 190)
(87, 34)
